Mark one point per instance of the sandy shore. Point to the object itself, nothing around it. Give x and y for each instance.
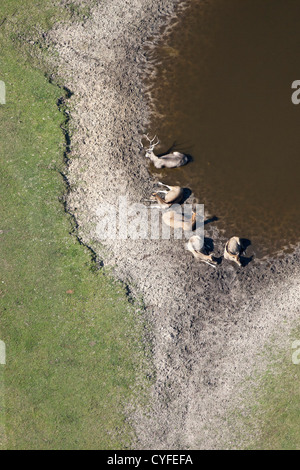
(208, 325)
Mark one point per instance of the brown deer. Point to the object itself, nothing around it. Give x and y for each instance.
(177, 220)
(174, 195)
(233, 250)
(199, 252)
(170, 160)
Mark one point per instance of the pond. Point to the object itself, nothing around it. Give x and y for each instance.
(222, 93)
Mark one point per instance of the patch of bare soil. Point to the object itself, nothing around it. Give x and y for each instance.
(208, 325)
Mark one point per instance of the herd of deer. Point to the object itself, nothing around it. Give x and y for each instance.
(174, 195)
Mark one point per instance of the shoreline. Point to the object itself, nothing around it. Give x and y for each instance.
(208, 325)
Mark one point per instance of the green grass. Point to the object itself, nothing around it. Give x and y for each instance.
(28, 16)
(277, 413)
(268, 418)
(73, 343)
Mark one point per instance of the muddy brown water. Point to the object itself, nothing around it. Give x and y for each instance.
(222, 93)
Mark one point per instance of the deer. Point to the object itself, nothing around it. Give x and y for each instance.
(233, 250)
(199, 252)
(174, 195)
(170, 160)
(177, 220)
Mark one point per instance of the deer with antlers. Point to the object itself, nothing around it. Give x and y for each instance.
(170, 160)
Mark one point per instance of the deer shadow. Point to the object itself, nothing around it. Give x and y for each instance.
(209, 247)
(186, 194)
(245, 260)
(214, 218)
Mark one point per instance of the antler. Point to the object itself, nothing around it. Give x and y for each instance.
(151, 144)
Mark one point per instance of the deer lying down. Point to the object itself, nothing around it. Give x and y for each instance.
(176, 220)
(174, 195)
(233, 250)
(194, 246)
(171, 160)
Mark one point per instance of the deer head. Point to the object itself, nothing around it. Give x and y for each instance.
(152, 145)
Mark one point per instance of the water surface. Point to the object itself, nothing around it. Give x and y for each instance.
(222, 93)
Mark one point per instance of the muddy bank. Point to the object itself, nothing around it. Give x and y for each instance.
(208, 325)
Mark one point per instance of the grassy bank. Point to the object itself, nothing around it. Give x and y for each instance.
(71, 335)
(269, 418)
(277, 413)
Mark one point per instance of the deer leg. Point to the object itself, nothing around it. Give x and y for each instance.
(210, 263)
(163, 192)
(162, 184)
